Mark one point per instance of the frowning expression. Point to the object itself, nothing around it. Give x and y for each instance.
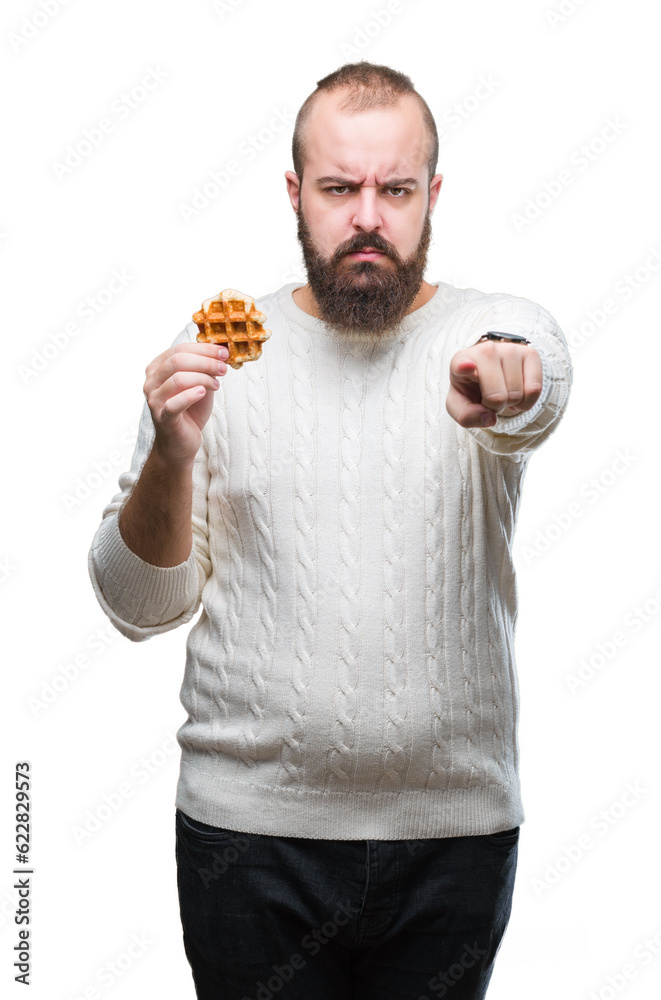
(365, 173)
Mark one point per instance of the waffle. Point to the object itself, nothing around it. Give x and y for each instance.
(230, 318)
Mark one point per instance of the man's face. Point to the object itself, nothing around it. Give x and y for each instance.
(364, 212)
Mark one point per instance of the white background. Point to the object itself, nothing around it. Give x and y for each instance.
(534, 81)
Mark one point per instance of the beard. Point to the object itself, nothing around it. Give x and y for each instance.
(364, 300)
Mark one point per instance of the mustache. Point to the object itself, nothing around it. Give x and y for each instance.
(363, 240)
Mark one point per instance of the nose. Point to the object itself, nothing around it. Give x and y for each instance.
(367, 215)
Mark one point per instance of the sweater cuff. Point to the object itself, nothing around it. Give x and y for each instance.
(139, 593)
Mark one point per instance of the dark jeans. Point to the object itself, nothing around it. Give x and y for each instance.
(298, 919)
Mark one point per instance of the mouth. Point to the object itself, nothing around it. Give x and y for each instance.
(366, 254)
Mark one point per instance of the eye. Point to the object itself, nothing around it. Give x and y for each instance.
(338, 189)
(398, 192)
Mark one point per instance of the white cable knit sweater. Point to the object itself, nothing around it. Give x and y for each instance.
(352, 673)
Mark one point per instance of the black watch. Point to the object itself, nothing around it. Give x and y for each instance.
(512, 338)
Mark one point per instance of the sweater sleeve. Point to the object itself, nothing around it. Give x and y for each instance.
(140, 599)
(521, 434)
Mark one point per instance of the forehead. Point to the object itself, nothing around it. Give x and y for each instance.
(381, 142)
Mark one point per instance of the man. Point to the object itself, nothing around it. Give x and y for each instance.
(348, 806)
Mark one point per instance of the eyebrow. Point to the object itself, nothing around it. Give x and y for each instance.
(395, 182)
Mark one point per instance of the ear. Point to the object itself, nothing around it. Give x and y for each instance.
(434, 190)
(293, 188)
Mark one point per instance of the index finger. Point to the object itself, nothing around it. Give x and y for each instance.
(208, 359)
(199, 347)
(194, 350)
(182, 358)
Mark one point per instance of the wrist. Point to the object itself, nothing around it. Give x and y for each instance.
(166, 462)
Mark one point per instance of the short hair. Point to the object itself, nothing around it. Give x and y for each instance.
(369, 86)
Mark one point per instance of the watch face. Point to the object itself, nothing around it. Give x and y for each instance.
(514, 337)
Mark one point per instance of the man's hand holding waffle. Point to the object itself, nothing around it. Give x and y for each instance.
(180, 383)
